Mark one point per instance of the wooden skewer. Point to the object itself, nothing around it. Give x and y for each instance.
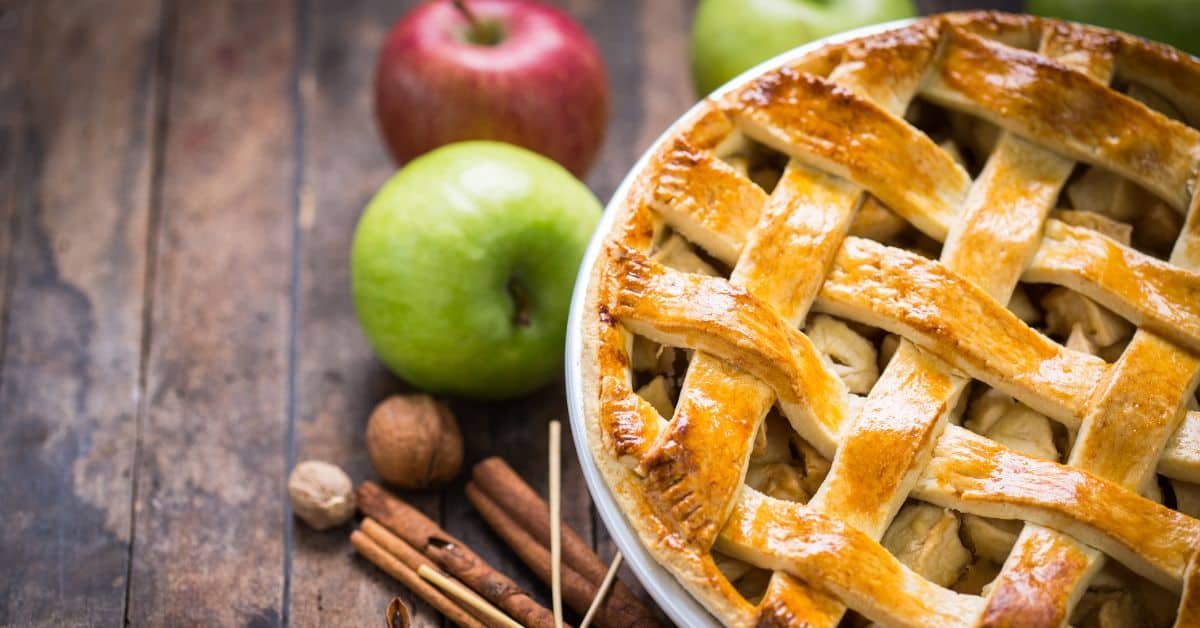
(556, 521)
(467, 597)
(604, 586)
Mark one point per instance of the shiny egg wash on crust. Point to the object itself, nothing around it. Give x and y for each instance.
(907, 331)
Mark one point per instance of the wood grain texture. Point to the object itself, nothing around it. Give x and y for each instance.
(210, 514)
(75, 152)
(14, 29)
(338, 380)
(612, 24)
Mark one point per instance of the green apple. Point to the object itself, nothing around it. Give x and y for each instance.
(732, 36)
(462, 268)
(1174, 22)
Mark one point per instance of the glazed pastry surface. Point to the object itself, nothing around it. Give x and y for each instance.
(813, 309)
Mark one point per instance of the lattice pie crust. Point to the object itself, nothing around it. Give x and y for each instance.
(887, 329)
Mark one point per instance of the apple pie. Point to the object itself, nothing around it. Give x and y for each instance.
(906, 330)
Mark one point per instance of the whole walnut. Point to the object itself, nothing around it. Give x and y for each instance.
(321, 493)
(414, 442)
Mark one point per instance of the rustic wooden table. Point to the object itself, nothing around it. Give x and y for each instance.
(179, 182)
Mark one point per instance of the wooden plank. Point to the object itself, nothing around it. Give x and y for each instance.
(612, 23)
(338, 380)
(76, 166)
(14, 28)
(210, 508)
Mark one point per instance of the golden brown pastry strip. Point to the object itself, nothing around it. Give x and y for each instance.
(839, 560)
(989, 246)
(835, 130)
(1056, 106)
(909, 406)
(631, 424)
(1163, 69)
(928, 304)
(706, 200)
(794, 243)
(972, 473)
(715, 316)
(903, 416)
(888, 69)
(1151, 293)
(1137, 409)
(700, 460)
(1189, 602)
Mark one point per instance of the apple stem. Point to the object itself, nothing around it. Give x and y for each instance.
(479, 31)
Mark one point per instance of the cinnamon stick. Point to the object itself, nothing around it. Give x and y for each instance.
(396, 515)
(394, 545)
(421, 532)
(407, 576)
(498, 588)
(506, 489)
(578, 591)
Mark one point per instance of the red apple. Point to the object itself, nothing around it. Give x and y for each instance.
(510, 70)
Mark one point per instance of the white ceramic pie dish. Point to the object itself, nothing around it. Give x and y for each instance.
(679, 605)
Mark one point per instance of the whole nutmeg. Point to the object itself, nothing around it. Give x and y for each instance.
(322, 494)
(414, 441)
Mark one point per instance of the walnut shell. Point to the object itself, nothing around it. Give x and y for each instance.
(414, 441)
(322, 494)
